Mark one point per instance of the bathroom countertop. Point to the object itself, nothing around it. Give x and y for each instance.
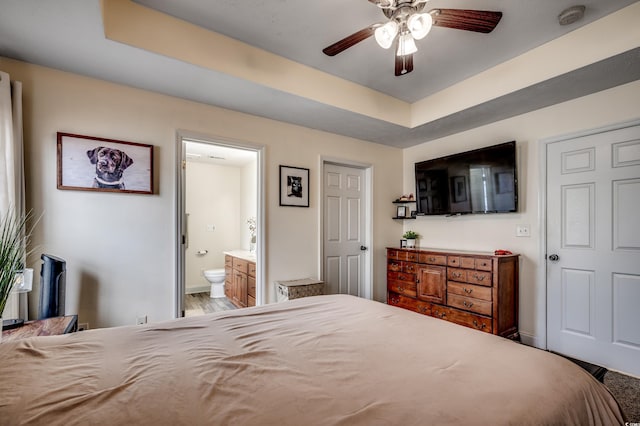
(242, 254)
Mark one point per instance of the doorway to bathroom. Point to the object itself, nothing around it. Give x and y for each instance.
(219, 218)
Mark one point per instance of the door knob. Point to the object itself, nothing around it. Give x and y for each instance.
(363, 248)
(554, 257)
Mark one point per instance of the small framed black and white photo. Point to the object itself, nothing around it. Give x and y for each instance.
(89, 163)
(403, 243)
(294, 186)
(401, 211)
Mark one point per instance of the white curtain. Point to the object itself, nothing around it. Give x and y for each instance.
(12, 167)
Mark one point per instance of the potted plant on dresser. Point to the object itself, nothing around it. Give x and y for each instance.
(411, 238)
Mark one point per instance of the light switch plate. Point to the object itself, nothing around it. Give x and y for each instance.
(522, 231)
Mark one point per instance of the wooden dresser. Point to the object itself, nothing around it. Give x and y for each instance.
(240, 281)
(477, 290)
(45, 327)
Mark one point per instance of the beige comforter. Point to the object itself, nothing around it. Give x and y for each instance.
(321, 360)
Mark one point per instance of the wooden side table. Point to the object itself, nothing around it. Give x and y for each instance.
(44, 327)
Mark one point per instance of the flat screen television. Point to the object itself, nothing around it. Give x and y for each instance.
(484, 180)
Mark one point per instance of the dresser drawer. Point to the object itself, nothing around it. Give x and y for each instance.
(479, 277)
(394, 265)
(453, 261)
(459, 317)
(412, 256)
(455, 274)
(401, 301)
(467, 262)
(401, 287)
(469, 290)
(478, 306)
(393, 254)
(433, 259)
(401, 276)
(240, 265)
(483, 264)
(471, 320)
(409, 267)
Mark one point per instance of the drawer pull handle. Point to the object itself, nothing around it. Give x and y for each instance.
(432, 259)
(456, 275)
(440, 314)
(479, 326)
(394, 300)
(401, 289)
(422, 309)
(479, 277)
(467, 304)
(467, 290)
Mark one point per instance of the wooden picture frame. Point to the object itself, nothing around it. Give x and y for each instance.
(89, 163)
(294, 186)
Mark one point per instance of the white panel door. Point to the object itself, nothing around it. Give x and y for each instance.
(593, 248)
(345, 246)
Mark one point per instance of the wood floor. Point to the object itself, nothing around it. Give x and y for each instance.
(201, 303)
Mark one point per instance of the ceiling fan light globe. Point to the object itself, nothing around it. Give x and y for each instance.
(420, 24)
(386, 33)
(406, 45)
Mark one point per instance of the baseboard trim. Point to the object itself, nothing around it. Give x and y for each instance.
(531, 340)
(193, 290)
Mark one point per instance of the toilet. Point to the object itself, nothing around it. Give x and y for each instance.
(216, 278)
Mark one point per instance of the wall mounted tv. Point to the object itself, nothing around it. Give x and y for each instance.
(480, 181)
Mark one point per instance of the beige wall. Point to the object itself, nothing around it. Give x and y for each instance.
(214, 197)
(497, 231)
(121, 248)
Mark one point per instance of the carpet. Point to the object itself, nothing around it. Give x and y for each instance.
(626, 389)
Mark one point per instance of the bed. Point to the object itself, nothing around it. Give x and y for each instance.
(325, 360)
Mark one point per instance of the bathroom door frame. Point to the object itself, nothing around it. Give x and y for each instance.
(180, 236)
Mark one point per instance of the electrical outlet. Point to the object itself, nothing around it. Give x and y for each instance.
(141, 320)
(522, 231)
(211, 228)
(83, 326)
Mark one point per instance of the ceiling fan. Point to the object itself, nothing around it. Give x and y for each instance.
(408, 22)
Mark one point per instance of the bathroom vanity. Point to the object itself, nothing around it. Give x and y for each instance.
(240, 278)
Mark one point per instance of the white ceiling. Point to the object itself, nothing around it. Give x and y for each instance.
(68, 35)
(299, 30)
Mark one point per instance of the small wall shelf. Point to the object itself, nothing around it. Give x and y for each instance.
(401, 206)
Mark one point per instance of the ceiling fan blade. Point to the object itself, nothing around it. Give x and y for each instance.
(349, 41)
(404, 64)
(481, 21)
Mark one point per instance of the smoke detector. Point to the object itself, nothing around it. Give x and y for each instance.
(571, 15)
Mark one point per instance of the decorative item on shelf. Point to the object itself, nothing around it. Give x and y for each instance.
(401, 211)
(252, 232)
(411, 237)
(403, 243)
(405, 198)
(14, 238)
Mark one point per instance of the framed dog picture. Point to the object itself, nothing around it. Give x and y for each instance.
(294, 186)
(88, 163)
